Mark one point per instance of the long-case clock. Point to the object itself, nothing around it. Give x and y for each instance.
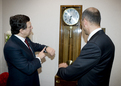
(70, 32)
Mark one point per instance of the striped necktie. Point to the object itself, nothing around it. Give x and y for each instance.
(28, 44)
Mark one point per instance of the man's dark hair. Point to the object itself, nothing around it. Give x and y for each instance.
(92, 15)
(18, 22)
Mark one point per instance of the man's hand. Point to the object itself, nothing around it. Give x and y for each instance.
(41, 54)
(63, 65)
(51, 51)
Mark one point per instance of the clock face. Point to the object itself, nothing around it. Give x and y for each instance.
(70, 16)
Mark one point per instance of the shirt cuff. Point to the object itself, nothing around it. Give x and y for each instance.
(39, 59)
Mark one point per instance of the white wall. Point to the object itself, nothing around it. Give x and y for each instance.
(45, 16)
(3, 67)
(0, 36)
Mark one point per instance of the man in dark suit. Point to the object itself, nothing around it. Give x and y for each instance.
(19, 52)
(93, 66)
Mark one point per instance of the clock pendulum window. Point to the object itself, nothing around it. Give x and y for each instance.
(70, 17)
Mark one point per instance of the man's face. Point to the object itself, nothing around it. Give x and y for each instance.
(28, 30)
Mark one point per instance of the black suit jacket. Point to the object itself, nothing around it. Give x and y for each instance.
(93, 66)
(22, 64)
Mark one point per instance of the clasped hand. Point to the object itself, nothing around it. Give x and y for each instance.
(64, 65)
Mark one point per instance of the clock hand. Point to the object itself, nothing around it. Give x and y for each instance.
(70, 19)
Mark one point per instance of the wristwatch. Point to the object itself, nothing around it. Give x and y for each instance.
(45, 49)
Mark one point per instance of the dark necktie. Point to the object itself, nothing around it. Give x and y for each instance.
(28, 44)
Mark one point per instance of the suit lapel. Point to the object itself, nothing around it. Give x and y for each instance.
(21, 44)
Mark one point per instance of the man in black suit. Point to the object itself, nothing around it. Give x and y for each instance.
(93, 66)
(19, 52)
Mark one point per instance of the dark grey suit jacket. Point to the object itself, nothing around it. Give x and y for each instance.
(22, 64)
(93, 66)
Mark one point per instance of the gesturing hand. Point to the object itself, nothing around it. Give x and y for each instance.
(41, 54)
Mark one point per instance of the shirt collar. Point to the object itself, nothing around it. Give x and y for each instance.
(21, 38)
(92, 33)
